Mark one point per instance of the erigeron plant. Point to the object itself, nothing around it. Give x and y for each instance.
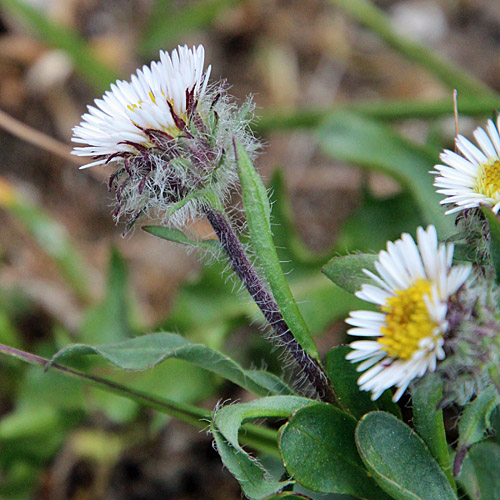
(180, 147)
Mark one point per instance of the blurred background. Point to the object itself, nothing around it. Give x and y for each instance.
(67, 275)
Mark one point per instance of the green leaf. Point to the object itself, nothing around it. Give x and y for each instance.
(97, 73)
(399, 461)
(343, 376)
(147, 351)
(318, 451)
(347, 272)
(230, 418)
(429, 423)
(475, 423)
(494, 225)
(258, 210)
(253, 478)
(479, 476)
(368, 144)
(178, 236)
(227, 421)
(109, 321)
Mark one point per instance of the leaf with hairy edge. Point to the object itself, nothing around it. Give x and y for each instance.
(258, 211)
(479, 476)
(147, 351)
(494, 225)
(177, 236)
(230, 418)
(254, 480)
(347, 271)
(399, 460)
(475, 423)
(318, 450)
(371, 145)
(343, 376)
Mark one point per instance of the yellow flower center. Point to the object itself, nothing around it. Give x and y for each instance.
(488, 179)
(408, 321)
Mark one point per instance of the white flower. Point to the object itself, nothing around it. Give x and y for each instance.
(472, 178)
(411, 290)
(149, 101)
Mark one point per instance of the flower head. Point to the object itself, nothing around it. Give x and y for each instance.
(169, 135)
(412, 290)
(471, 178)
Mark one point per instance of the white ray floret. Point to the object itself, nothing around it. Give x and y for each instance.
(411, 288)
(143, 103)
(471, 177)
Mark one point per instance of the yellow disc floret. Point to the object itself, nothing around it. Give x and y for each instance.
(408, 321)
(488, 179)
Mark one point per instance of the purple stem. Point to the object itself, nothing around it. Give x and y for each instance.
(264, 299)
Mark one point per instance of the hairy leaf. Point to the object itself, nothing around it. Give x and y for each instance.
(318, 450)
(147, 351)
(399, 461)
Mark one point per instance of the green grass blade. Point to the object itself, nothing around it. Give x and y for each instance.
(387, 109)
(374, 19)
(167, 25)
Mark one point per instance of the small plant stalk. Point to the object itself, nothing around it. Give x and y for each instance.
(264, 299)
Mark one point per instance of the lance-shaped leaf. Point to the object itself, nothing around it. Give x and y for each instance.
(255, 481)
(399, 460)
(230, 418)
(479, 476)
(475, 423)
(347, 271)
(147, 351)
(177, 236)
(318, 450)
(258, 212)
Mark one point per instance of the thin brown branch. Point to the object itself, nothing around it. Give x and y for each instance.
(44, 141)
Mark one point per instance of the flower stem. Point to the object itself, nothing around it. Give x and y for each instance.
(244, 269)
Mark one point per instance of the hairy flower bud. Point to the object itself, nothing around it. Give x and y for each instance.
(169, 134)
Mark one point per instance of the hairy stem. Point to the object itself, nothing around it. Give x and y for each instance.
(244, 269)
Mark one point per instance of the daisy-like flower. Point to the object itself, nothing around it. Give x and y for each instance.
(471, 178)
(170, 137)
(412, 290)
(156, 99)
